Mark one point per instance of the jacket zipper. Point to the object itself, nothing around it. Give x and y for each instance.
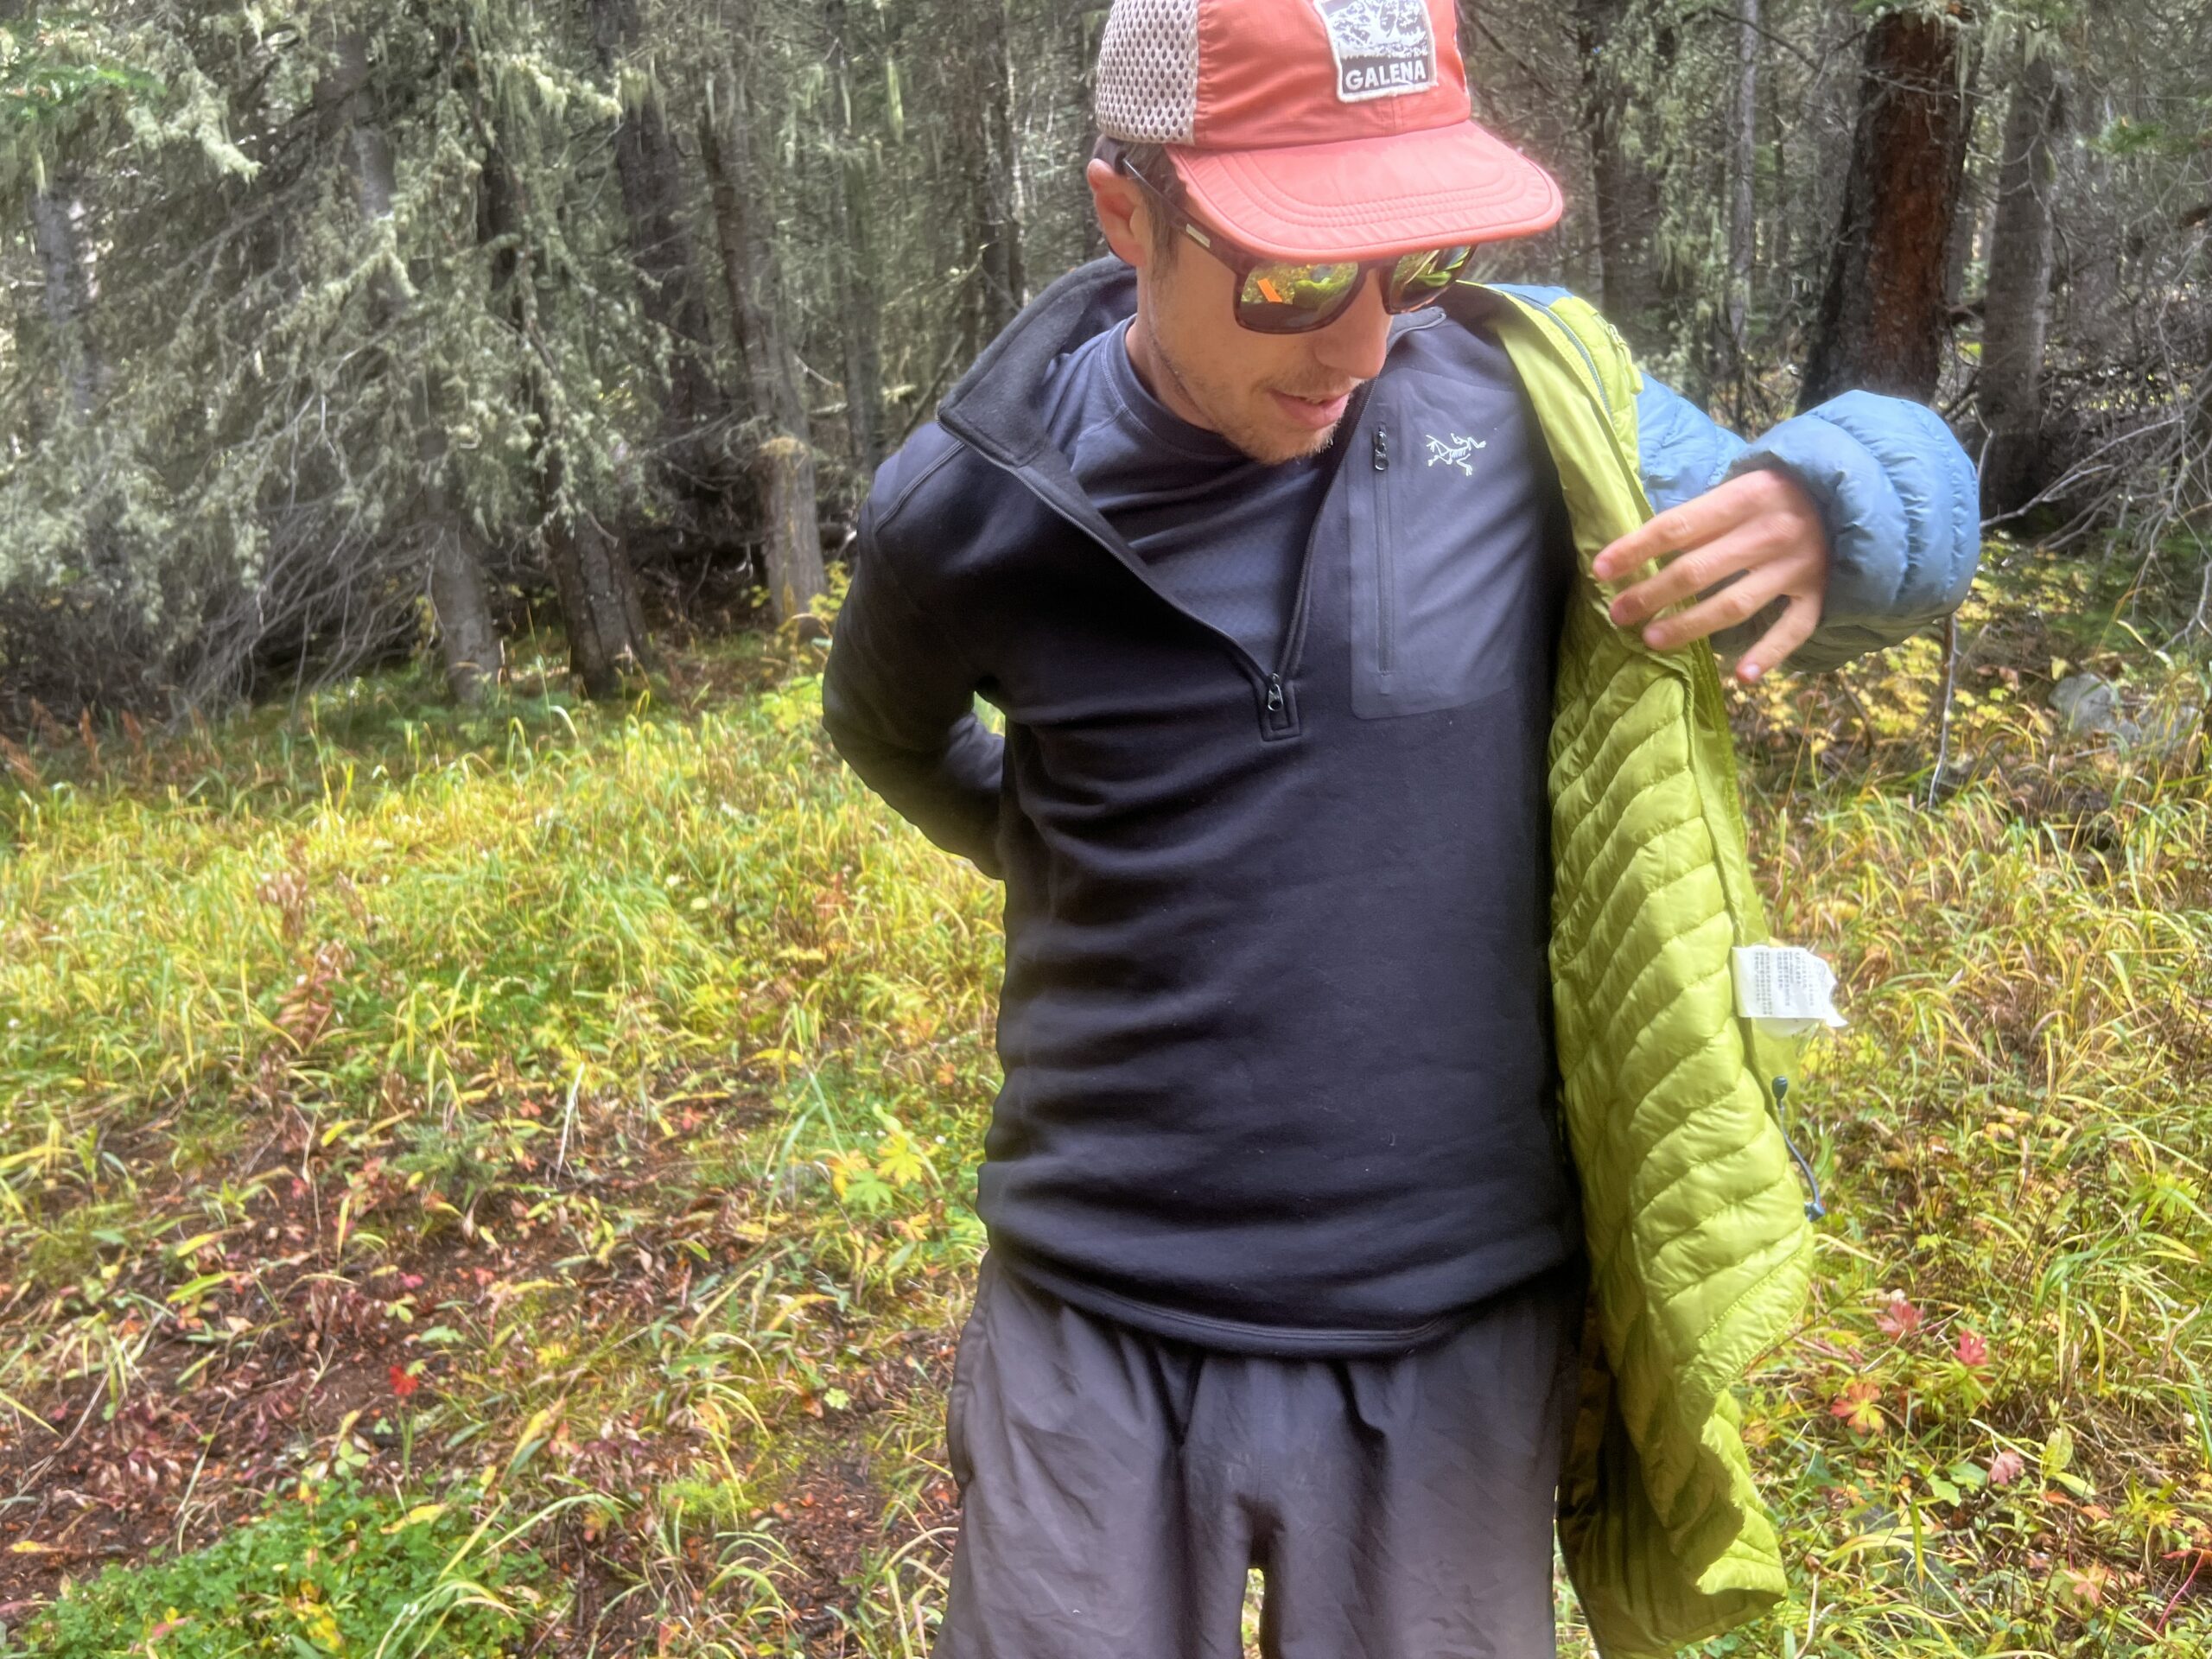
(1590, 363)
(1278, 716)
(1276, 719)
(1593, 386)
(1386, 568)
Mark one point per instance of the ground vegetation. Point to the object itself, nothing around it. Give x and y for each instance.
(553, 1125)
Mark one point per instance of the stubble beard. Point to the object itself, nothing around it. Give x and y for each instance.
(1271, 445)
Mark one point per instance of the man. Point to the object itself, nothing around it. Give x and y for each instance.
(1263, 538)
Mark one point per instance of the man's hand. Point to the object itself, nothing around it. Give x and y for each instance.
(1762, 530)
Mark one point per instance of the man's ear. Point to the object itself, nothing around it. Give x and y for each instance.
(1123, 214)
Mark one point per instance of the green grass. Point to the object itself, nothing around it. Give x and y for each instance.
(568, 1115)
(336, 1570)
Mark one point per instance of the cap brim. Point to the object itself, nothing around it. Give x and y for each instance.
(1370, 198)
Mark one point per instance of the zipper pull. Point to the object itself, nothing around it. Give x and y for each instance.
(1382, 449)
(1274, 695)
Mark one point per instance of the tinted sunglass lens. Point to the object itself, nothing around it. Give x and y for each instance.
(1420, 278)
(1282, 297)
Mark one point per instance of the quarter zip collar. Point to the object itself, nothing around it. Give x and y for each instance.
(993, 408)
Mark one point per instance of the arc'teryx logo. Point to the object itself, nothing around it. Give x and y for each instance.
(1456, 451)
(1384, 48)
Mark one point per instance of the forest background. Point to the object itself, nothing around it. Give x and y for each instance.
(487, 1107)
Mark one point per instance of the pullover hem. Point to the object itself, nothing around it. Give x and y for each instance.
(1522, 1259)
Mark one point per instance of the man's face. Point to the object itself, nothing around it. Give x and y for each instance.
(1277, 398)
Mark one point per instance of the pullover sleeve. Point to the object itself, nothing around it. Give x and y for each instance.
(898, 705)
(1894, 488)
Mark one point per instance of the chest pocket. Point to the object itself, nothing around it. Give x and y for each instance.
(1452, 522)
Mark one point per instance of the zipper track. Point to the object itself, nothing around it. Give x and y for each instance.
(1270, 682)
(1386, 555)
(1595, 381)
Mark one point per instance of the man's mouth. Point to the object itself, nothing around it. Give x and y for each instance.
(1315, 413)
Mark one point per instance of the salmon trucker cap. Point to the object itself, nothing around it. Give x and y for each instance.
(1318, 129)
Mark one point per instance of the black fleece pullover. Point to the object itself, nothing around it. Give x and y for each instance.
(1276, 1024)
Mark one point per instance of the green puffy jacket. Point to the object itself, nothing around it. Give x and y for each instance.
(1700, 1253)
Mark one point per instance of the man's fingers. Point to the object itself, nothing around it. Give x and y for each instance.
(1689, 575)
(1758, 493)
(1775, 646)
(1739, 601)
(1691, 524)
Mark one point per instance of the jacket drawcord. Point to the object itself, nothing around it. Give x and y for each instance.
(1814, 1210)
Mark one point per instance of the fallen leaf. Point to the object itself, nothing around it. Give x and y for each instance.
(417, 1516)
(2085, 1587)
(2006, 1467)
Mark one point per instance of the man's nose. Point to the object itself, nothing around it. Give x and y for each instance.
(1354, 344)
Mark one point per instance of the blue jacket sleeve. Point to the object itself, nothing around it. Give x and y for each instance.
(1895, 489)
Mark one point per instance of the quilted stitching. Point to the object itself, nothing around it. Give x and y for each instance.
(1700, 1252)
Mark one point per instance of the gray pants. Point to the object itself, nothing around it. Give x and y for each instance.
(1117, 1487)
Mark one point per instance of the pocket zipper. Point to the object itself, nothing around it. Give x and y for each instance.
(1386, 570)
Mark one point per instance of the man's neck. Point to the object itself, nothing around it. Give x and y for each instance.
(1158, 375)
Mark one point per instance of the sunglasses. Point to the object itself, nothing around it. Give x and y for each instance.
(1291, 296)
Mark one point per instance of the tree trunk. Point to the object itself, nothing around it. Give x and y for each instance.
(1627, 186)
(1087, 23)
(468, 640)
(1743, 169)
(998, 290)
(599, 609)
(857, 298)
(1781, 284)
(858, 305)
(2017, 313)
(649, 173)
(57, 212)
(1958, 260)
(57, 215)
(792, 562)
(469, 643)
(1882, 318)
(599, 601)
(794, 538)
(2201, 420)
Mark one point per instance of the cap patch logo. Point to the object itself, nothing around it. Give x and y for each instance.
(1384, 48)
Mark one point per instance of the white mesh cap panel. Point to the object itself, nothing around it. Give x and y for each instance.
(1149, 71)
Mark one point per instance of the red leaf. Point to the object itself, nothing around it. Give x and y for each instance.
(1859, 1405)
(402, 1384)
(1972, 1351)
(1899, 1319)
(2006, 1467)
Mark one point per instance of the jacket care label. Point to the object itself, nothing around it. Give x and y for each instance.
(1785, 991)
